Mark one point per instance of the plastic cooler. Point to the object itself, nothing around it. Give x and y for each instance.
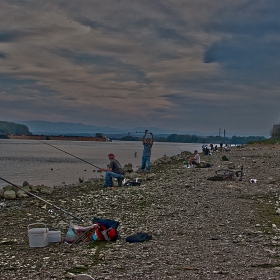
(38, 237)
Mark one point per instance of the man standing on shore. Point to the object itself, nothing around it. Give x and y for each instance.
(114, 170)
(146, 156)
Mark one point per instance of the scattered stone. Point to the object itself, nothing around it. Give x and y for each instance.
(21, 194)
(2, 205)
(10, 194)
(201, 229)
(34, 189)
(225, 158)
(70, 275)
(150, 176)
(235, 187)
(2, 193)
(101, 257)
(5, 241)
(128, 168)
(25, 184)
(46, 190)
(83, 277)
(190, 268)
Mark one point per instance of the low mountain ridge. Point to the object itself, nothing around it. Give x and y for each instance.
(67, 128)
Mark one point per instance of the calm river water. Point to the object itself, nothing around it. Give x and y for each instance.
(38, 163)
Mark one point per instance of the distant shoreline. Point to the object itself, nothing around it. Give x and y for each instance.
(101, 138)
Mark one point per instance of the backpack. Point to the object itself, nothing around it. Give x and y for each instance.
(105, 234)
(106, 229)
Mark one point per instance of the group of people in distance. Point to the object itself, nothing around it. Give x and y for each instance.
(115, 169)
(206, 151)
(212, 149)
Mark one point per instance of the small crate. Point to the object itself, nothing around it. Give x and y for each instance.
(54, 236)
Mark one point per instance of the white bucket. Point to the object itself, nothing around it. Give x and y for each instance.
(38, 237)
(54, 236)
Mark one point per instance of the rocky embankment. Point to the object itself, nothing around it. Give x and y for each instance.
(200, 229)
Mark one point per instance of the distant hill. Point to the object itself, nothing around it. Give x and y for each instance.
(13, 128)
(66, 128)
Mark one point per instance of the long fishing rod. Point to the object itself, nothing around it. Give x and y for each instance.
(70, 154)
(177, 148)
(142, 132)
(56, 207)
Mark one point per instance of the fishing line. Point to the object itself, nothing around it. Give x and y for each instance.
(178, 148)
(70, 154)
(56, 207)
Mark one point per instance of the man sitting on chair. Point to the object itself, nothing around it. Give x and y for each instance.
(194, 160)
(114, 170)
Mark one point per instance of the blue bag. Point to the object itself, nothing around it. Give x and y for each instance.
(139, 237)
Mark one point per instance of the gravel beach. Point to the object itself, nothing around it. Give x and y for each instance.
(201, 229)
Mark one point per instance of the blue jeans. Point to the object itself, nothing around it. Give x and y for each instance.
(109, 176)
(146, 163)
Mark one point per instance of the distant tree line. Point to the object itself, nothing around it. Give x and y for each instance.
(21, 129)
(13, 128)
(187, 138)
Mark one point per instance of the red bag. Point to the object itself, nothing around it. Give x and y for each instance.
(106, 233)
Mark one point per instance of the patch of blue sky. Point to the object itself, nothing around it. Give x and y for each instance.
(87, 59)
(252, 17)
(88, 22)
(16, 86)
(244, 56)
(6, 36)
(10, 81)
(10, 35)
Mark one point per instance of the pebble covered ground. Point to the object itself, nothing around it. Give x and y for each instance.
(201, 229)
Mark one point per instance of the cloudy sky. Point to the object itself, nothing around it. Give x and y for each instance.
(187, 65)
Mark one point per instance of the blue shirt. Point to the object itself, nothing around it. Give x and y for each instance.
(147, 149)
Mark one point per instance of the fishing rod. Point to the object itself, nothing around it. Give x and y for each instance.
(70, 154)
(56, 207)
(141, 131)
(177, 148)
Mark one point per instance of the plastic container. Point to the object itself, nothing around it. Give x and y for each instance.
(54, 236)
(38, 237)
(253, 181)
